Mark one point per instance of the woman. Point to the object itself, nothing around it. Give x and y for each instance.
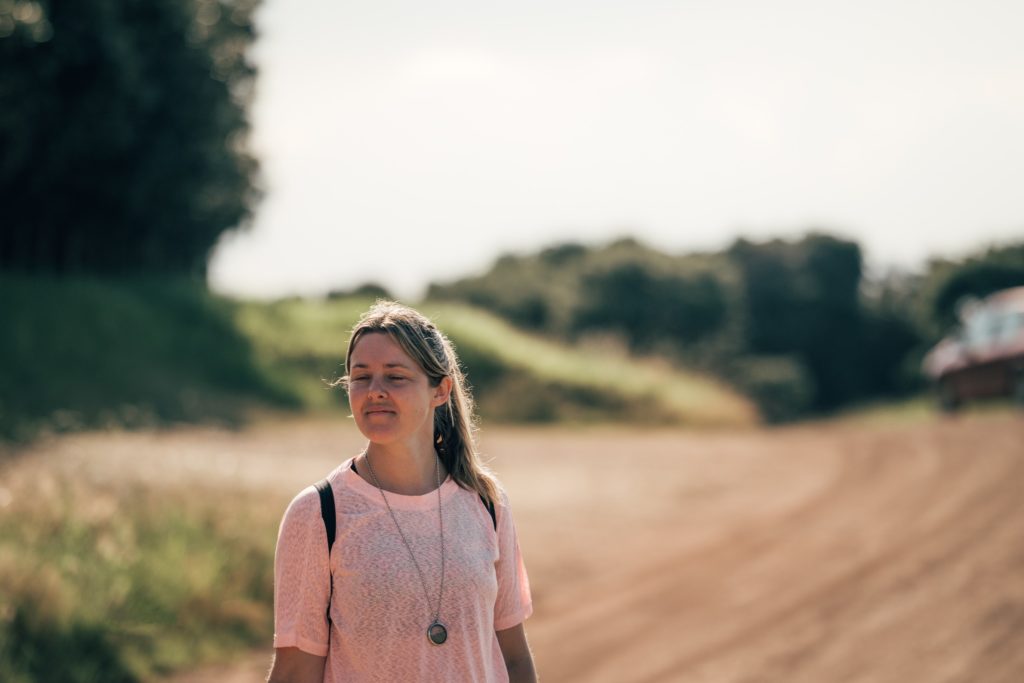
(425, 581)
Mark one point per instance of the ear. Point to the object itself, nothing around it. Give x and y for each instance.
(442, 391)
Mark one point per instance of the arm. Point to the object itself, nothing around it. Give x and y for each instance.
(292, 665)
(518, 659)
(302, 587)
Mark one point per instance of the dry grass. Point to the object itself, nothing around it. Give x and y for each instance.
(112, 576)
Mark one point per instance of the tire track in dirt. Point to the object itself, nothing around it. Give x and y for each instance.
(836, 598)
(828, 590)
(653, 603)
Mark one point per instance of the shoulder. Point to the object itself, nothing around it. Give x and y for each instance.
(304, 510)
(302, 513)
(307, 502)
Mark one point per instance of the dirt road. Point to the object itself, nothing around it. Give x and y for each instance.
(828, 553)
(821, 554)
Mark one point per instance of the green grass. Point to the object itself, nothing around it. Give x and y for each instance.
(650, 387)
(300, 343)
(121, 583)
(516, 377)
(916, 409)
(894, 412)
(80, 353)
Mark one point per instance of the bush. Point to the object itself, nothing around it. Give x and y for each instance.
(780, 385)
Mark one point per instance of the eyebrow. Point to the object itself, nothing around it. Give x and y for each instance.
(387, 365)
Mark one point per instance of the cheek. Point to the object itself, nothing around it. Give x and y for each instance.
(353, 396)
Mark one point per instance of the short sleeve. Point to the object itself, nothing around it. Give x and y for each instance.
(302, 577)
(513, 604)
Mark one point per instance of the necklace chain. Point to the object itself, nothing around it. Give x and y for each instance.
(412, 555)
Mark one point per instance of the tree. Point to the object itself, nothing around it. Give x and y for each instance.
(647, 305)
(802, 298)
(123, 133)
(976, 277)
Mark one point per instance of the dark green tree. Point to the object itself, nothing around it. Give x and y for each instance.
(975, 277)
(647, 306)
(367, 290)
(802, 298)
(123, 133)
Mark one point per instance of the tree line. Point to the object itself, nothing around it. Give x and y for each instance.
(796, 324)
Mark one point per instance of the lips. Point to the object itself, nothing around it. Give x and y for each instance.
(379, 410)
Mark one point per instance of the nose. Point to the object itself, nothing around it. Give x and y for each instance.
(376, 388)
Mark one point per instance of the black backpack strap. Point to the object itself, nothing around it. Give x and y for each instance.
(490, 509)
(323, 487)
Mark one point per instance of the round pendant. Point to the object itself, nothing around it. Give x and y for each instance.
(437, 633)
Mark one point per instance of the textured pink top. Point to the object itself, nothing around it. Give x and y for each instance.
(379, 614)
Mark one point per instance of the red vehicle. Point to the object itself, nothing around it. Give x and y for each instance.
(985, 356)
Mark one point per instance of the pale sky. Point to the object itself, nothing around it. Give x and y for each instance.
(409, 142)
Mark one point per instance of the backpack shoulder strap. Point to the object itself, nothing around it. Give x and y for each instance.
(323, 487)
(490, 509)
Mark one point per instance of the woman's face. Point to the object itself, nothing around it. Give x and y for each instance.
(390, 395)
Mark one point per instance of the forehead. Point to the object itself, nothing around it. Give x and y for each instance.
(379, 348)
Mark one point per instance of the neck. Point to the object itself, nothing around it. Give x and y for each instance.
(401, 470)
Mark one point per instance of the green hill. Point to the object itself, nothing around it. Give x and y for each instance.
(85, 353)
(517, 377)
(82, 353)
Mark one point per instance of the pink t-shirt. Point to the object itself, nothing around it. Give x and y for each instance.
(379, 614)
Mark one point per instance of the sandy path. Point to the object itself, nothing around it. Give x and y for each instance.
(825, 553)
(897, 558)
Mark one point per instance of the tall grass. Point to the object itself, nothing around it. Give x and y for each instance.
(106, 582)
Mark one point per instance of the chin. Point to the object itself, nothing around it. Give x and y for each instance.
(379, 434)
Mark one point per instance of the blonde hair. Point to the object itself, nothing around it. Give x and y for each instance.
(454, 422)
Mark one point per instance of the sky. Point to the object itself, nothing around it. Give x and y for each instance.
(409, 142)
